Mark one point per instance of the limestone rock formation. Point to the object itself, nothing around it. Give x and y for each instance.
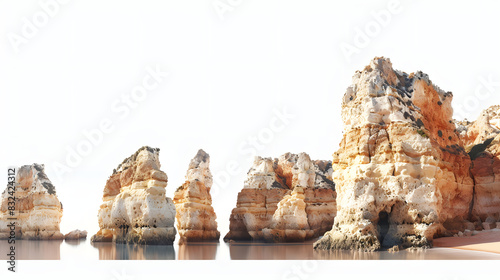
(37, 208)
(135, 208)
(401, 173)
(287, 199)
(289, 222)
(76, 235)
(196, 219)
(481, 140)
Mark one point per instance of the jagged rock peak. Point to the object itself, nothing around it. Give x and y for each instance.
(128, 162)
(384, 87)
(288, 171)
(201, 156)
(39, 177)
(199, 169)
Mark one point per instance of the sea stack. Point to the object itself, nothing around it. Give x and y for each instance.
(38, 211)
(287, 199)
(401, 173)
(135, 208)
(196, 219)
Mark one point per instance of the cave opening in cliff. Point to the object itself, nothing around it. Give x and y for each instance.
(383, 225)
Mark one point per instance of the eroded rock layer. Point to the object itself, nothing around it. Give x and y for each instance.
(196, 219)
(287, 199)
(135, 208)
(37, 211)
(481, 140)
(401, 172)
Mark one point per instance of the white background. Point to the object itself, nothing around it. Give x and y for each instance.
(229, 71)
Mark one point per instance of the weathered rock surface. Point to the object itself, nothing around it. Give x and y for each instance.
(289, 222)
(76, 235)
(135, 208)
(287, 199)
(37, 208)
(401, 174)
(196, 219)
(481, 140)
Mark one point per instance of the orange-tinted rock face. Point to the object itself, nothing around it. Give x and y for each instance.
(254, 211)
(135, 208)
(481, 139)
(196, 219)
(401, 173)
(37, 208)
(287, 199)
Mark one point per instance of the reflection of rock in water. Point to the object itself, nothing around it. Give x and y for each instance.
(76, 242)
(345, 255)
(33, 250)
(266, 251)
(305, 251)
(417, 254)
(198, 251)
(112, 251)
(409, 254)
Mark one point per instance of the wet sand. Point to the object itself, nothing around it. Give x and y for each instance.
(485, 241)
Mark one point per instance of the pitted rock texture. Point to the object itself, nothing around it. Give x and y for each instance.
(37, 208)
(135, 208)
(481, 140)
(196, 219)
(401, 173)
(287, 199)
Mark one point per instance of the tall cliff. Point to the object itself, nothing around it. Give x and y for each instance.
(287, 199)
(196, 219)
(402, 176)
(481, 140)
(135, 208)
(37, 208)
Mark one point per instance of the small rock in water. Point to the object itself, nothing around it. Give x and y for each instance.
(395, 248)
(76, 234)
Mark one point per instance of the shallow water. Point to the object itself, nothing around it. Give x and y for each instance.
(84, 250)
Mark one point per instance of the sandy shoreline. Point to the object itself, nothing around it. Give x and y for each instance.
(485, 241)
